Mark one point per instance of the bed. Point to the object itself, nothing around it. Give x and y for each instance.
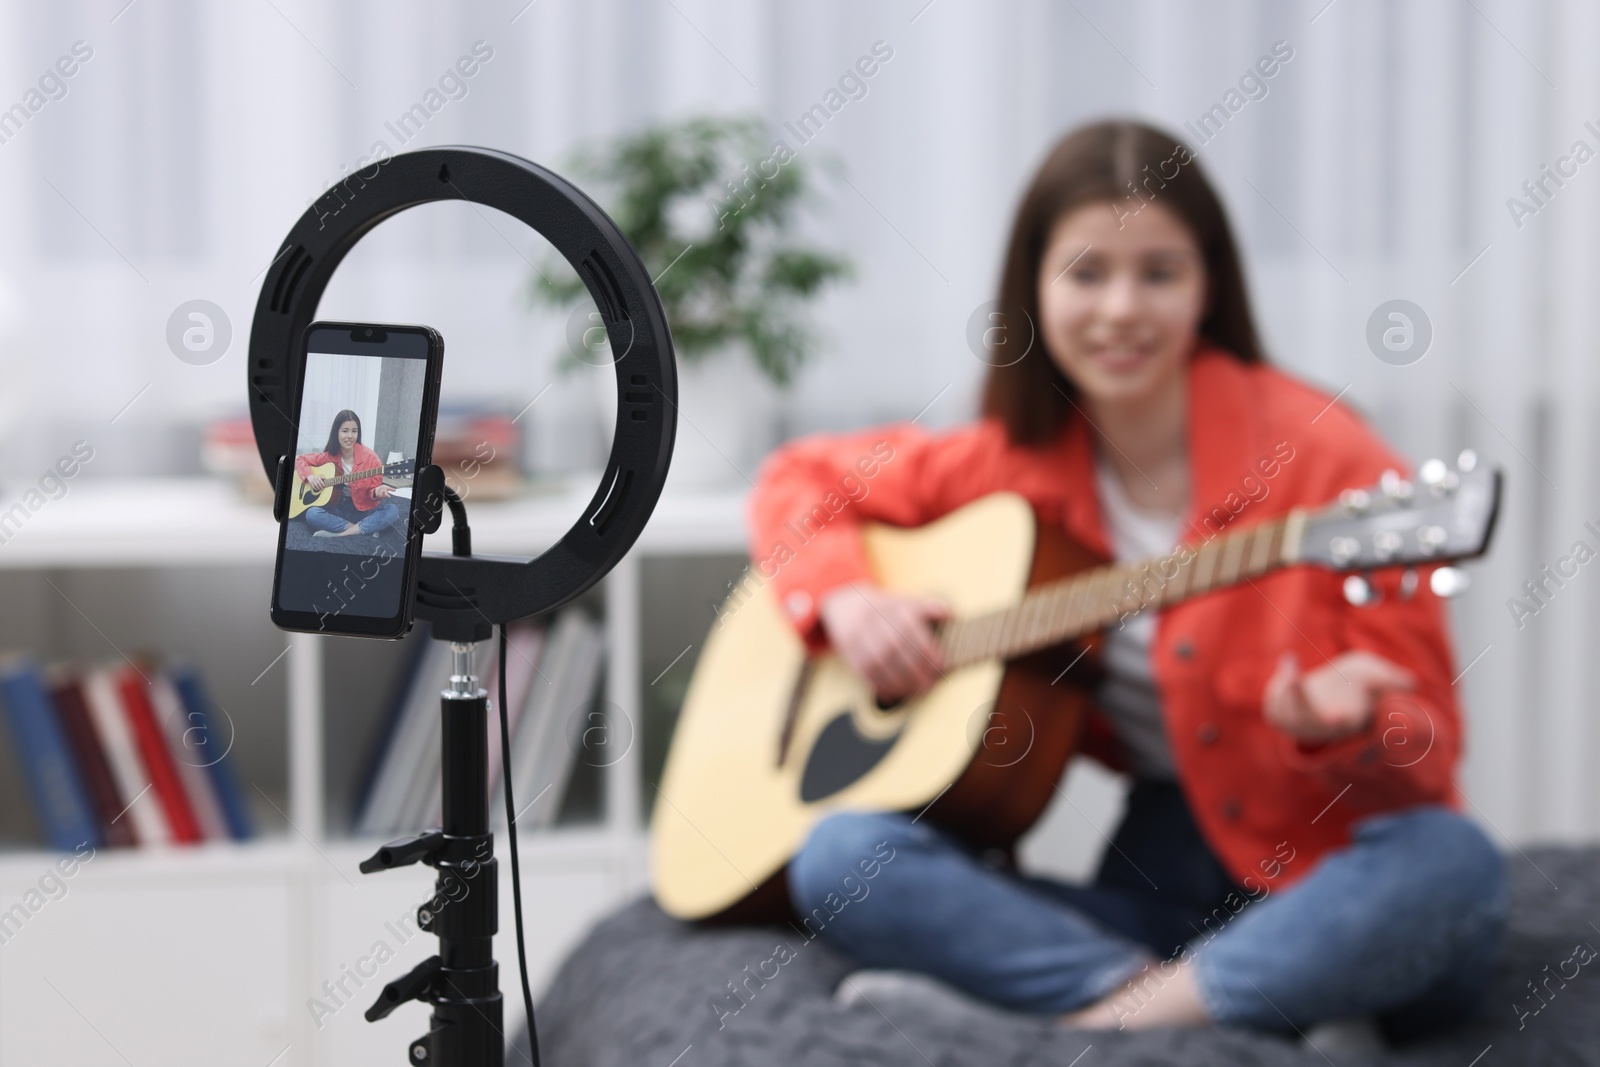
(644, 989)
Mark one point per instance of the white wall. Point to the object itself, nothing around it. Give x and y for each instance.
(1378, 166)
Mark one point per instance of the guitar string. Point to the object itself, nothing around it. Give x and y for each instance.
(1083, 603)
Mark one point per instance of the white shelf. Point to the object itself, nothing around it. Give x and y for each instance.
(214, 953)
(173, 522)
(146, 522)
(288, 912)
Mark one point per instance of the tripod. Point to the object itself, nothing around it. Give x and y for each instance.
(462, 982)
(461, 595)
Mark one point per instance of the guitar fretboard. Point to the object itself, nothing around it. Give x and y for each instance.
(1091, 600)
(353, 476)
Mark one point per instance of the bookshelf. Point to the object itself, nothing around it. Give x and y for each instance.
(210, 954)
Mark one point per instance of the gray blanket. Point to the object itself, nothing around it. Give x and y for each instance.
(643, 990)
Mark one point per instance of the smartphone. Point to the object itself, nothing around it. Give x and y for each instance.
(365, 409)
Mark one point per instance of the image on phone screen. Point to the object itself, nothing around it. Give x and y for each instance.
(363, 428)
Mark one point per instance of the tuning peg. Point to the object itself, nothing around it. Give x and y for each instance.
(1432, 472)
(1408, 583)
(1467, 461)
(1394, 487)
(1358, 591)
(1431, 538)
(1355, 501)
(1449, 581)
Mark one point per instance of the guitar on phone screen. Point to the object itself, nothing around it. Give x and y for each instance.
(302, 496)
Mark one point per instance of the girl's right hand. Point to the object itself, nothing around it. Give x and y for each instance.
(315, 483)
(885, 637)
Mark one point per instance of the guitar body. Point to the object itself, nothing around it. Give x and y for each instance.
(301, 498)
(770, 740)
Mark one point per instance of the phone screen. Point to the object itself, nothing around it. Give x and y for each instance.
(368, 399)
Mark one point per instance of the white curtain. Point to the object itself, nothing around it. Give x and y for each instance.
(1378, 166)
(335, 382)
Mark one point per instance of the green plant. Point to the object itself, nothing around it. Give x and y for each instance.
(711, 210)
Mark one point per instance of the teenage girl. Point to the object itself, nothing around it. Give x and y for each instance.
(358, 507)
(1292, 849)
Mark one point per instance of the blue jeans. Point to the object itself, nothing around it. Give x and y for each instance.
(1403, 925)
(341, 513)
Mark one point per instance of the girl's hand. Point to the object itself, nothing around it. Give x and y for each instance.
(885, 637)
(382, 491)
(1333, 701)
(315, 483)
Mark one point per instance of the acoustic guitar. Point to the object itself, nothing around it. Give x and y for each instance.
(770, 739)
(302, 496)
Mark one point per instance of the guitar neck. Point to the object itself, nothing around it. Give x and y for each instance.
(353, 476)
(1090, 600)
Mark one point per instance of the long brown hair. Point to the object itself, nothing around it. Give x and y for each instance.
(1107, 161)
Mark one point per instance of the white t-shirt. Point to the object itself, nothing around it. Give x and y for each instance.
(1128, 695)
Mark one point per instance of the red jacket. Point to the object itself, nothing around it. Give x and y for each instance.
(360, 490)
(1260, 442)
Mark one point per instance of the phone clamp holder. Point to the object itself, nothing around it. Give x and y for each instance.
(462, 596)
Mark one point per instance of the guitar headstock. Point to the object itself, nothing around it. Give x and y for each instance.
(406, 468)
(1447, 515)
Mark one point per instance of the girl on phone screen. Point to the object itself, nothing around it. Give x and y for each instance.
(358, 507)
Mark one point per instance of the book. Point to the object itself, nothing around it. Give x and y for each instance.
(552, 729)
(214, 751)
(65, 810)
(67, 693)
(133, 689)
(111, 725)
(526, 645)
(185, 743)
(552, 678)
(418, 725)
(384, 745)
(479, 450)
(419, 721)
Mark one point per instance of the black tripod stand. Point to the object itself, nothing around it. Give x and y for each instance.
(462, 982)
(461, 595)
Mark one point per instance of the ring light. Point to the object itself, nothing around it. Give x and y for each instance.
(463, 595)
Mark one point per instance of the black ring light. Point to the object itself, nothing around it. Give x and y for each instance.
(462, 595)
